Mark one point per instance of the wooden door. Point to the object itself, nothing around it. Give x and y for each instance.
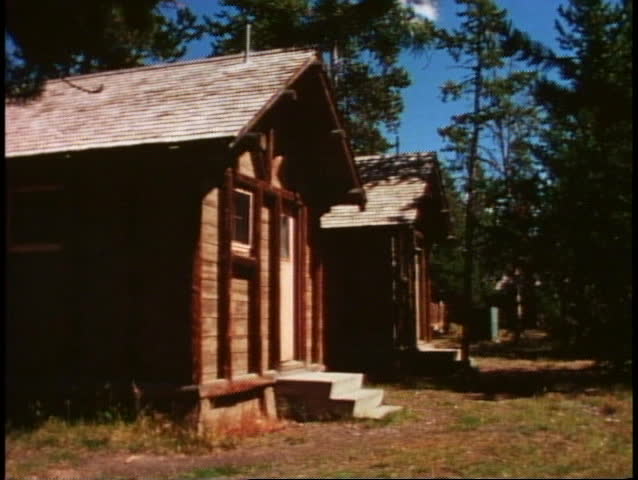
(287, 292)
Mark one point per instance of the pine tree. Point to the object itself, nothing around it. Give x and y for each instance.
(588, 151)
(68, 37)
(491, 145)
(361, 40)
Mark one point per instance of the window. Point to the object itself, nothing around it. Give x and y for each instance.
(242, 228)
(285, 236)
(36, 218)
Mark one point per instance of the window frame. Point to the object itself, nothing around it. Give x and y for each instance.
(239, 245)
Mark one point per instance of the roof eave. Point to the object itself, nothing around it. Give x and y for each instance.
(113, 145)
(356, 195)
(271, 102)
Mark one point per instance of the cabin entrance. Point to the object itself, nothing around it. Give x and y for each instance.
(287, 288)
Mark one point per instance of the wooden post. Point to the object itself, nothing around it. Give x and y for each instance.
(301, 285)
(428, 297)
(315, 265)
(275, 242)
(270, 154)
(225, 274)
(196, 318)
(255, 299)
(424, 271)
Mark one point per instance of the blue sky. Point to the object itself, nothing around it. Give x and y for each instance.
(424, 112)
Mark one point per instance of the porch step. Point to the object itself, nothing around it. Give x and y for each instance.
(433, 361)
(324, 395)
(333, 383)
(381, 411)
(360, 401)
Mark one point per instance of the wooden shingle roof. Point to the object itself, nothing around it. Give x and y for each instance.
(394, 187)
(211, 98)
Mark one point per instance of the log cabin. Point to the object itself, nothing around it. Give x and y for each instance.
(382, 301)
(163, 232)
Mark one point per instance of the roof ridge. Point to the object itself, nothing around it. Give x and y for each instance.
(379, 156)
(158, 66)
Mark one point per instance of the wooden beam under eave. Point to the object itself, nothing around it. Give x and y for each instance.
(289, 93)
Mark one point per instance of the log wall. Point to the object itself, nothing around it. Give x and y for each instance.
(209, 252)
(240, 325)
(115, 303)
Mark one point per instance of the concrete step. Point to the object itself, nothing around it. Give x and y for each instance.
(449, 354)
(324, 395)
(360, 401)
(324, 384)
(379, 412)
(428, 360)
(346, 383)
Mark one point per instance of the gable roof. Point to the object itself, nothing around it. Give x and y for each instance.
(203, 99)
(394, 185)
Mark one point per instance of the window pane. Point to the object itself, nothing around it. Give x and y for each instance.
(241, 223)
(285, 237)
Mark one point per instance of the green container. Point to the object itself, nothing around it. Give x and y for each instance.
(494, 323)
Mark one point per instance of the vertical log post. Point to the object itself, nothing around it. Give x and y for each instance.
(226, 213)
(255, 310)
(196, 318)
(275, 242)
(314, 268)
(301, 285)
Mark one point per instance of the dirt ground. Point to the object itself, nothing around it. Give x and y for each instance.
(508, 418)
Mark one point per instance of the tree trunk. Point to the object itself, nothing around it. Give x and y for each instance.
(469, 207)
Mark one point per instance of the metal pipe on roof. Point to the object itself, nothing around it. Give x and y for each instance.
(247, 52)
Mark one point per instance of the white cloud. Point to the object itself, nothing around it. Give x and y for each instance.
(425, 8)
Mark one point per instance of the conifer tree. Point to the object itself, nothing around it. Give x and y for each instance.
(588, 149)
(491, 143)
(70, 37)
(361, 41)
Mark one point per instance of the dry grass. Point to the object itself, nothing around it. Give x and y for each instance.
(554, 435)
(516, 418)
(61, 445)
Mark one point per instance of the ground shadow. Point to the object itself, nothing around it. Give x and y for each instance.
(532, 366)
(531, 345)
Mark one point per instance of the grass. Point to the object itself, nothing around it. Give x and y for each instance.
(518, 418)
(210, 472)
(441, 434)
(543, 438)
(60, 443)
(400, 417)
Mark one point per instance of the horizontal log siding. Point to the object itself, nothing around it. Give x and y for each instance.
(239, 311)
(209, 244)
